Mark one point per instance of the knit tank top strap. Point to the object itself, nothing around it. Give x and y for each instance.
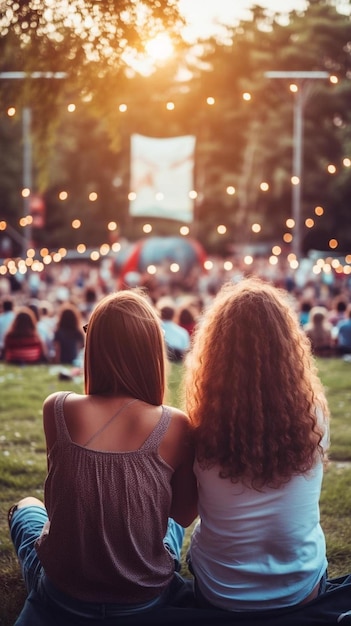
(62, 434)
(154, 439)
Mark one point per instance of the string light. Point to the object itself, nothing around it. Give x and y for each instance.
(104, 249)
(184, 230)
(26, 221)
(221, 229)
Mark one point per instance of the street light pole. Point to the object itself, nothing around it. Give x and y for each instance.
(27, 175)
(27, 178)
(302, 79)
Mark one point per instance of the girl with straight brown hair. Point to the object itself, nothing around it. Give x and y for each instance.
(120, 486)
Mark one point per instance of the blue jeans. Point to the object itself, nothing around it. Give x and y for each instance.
(26, 526)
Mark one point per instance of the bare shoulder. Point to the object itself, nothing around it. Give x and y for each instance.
(180, 419)
(49, 402)
(178, 442)
(49, 410)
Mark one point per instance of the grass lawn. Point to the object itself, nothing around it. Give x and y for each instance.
(23, 461)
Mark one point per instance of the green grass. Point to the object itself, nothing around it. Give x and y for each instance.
(336, 377)
(23, 461)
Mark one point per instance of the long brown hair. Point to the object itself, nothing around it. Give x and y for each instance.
(124, 352)
(252, 389)
(24, 324)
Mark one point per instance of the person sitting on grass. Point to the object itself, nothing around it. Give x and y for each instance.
(261, 438)
(177, 338)
(120, 487)
(68, 337)
(22, 342)
(320, 332)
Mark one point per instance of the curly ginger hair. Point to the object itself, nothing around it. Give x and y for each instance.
(252, 389)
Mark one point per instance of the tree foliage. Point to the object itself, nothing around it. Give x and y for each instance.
(62, 34)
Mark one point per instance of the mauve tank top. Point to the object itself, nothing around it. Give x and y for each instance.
(108, 515)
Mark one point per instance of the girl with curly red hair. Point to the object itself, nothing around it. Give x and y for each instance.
(261, 434)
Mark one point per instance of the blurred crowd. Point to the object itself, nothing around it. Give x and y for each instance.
(42, 315)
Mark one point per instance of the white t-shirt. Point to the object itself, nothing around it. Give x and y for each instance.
(258, 549)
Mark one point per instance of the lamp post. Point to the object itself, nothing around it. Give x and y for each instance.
(27, 177)
(303, 81)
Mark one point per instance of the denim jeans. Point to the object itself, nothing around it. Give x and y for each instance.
(26, 526)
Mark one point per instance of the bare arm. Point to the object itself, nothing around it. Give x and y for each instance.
(49, 421)
(184, 485)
